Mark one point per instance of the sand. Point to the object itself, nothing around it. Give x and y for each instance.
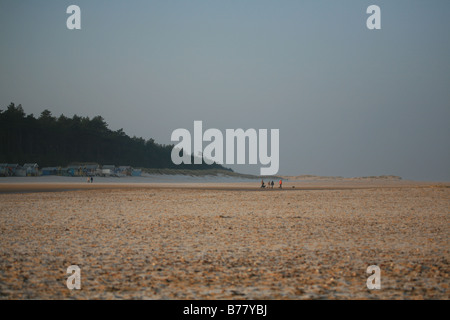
(225, 240)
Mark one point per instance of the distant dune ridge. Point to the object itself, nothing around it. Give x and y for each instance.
(219, 172)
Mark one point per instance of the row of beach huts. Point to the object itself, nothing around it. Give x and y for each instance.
(33, 170)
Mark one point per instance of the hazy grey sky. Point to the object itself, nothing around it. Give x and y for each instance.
(348, 101)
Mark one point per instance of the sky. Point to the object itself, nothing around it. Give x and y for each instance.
(348, 101)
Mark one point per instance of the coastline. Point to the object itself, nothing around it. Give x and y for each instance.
(60, 184)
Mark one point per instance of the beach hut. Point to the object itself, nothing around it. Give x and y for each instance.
(91, 169)
(50, 171)
(3, 169)
(73, 171)
(125, 170)
(108, 170)
(31, 169)
(136, 172)
(98, 171)
(14, 169)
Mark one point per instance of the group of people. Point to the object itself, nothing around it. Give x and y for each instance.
(270, 184)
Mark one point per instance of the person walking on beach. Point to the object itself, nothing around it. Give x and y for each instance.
(272, 184)
(92, 179)
(262, 184)
(281, 184)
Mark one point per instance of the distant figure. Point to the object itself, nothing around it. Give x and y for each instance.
(262, 184)
(281, 184)
(272, 184)
(92, 179)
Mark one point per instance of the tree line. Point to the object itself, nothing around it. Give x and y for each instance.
(60, 141)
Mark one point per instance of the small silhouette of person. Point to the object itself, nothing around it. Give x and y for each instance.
(281, 184)
(92, 179)
(272, 184)
(262, 184)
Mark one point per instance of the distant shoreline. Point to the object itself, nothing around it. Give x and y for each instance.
(61, 184)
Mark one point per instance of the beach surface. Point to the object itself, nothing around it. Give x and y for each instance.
(166, 239)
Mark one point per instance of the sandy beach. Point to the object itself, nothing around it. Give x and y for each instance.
(222, 240)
